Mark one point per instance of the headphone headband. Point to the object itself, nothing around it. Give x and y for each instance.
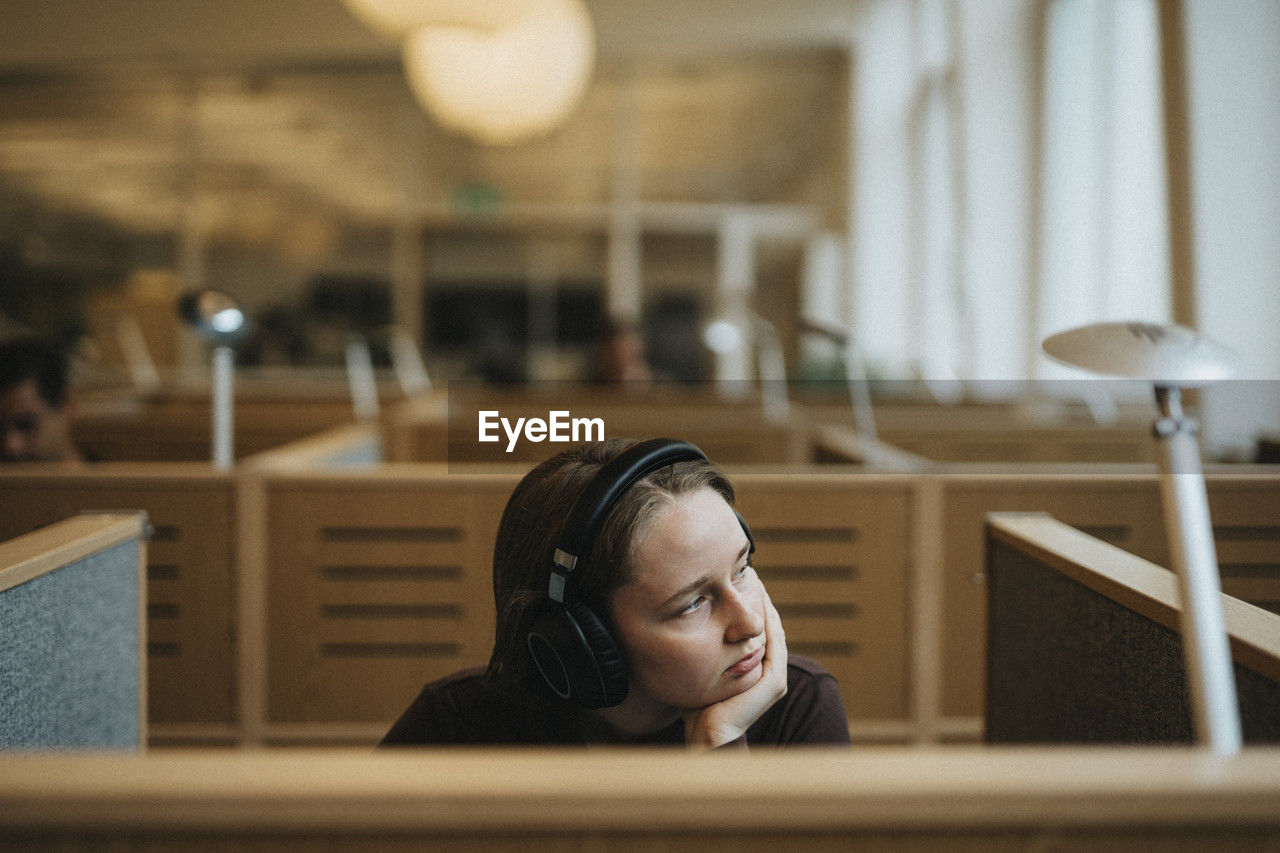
(567, 643)
(593, 505)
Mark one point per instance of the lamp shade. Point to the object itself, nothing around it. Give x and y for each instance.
(505, 85)
(397, 18)
(722, 336)
(214, 316)
(1167, 355)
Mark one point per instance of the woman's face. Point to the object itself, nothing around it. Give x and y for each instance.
(692, 618)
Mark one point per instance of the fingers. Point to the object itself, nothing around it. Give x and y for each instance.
(775, 643)
(775, 636)
(773, 681)
(730, 718)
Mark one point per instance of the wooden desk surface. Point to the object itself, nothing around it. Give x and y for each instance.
(603, 791)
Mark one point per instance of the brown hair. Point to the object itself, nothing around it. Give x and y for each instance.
(531, 525)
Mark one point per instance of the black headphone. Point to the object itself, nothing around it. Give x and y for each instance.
(571, 648)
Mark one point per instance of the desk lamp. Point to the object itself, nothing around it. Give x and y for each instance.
(1174, 358)
(771, 364)
(218, 319)
(859, 384)
(723, 336)
(361, 379)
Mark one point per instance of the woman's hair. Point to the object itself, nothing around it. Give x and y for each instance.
(30, 358)
(531, 526)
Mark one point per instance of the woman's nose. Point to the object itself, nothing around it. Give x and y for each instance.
(745, 616)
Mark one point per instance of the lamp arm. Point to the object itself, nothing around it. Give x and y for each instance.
(772, 370)
(864, 422)
(1205, 647)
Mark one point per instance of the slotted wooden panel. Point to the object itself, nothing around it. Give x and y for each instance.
(833, 553)
(190, 577)
(1246, 531)
(1124, 511)
(728, 432)
(376, 585)
(177, 430)
(1014, 441)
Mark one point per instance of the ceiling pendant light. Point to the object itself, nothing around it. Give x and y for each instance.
(395, 19)
(504, 85)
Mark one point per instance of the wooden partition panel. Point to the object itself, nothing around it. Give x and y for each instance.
(190, 587)
(1245, 509)
(1085, 644)
(381, 581)
(1030, 431)
(73, 635)
(1119, 506)
(435, 428)
(1122, 510)
(725, 440)
(832, 550)
(377, 583)
(1015, 442)
(417, 429)
(179, 429)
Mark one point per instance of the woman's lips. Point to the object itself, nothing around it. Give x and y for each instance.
(748, 663)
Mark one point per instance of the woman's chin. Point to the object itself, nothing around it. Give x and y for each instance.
(738, 684)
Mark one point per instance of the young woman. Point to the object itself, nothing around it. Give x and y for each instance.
(628, 611)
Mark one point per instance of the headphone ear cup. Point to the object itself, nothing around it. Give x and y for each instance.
(610, 664)
(576, 656)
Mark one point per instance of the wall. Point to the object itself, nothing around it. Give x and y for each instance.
(1233, 58)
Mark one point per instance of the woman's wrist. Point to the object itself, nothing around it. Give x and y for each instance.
(697, 735)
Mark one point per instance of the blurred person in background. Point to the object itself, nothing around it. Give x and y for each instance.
(618, 354)
(35, 403)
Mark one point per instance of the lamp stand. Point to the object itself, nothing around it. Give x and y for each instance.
(1186, 509)
(223, 375)
(772, 369)
(361, 379)
(864, 421)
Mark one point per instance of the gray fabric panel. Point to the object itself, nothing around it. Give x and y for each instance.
(69, 655)
(1068, 665)
(358, 456)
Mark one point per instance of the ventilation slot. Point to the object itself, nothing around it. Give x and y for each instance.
(1249, 570)
(163, 650)
(165, 533)
(163, 611)
(389, 650)
(1246, 533)
(391, 534)
(391, 611)
(162, 572)
(391, 573)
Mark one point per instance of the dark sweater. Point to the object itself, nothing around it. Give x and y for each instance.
(466, 708)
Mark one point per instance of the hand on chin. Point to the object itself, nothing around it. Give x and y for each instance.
(751, 693)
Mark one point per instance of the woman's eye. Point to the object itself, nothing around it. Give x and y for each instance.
(742, 571)
(693, 606)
